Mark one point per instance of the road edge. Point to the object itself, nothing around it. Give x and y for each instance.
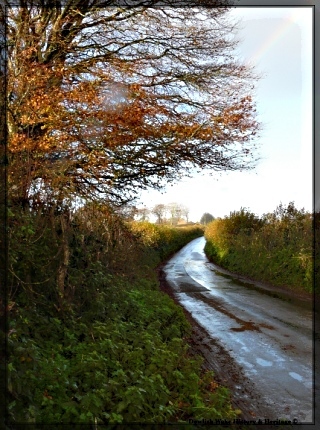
(217, 359)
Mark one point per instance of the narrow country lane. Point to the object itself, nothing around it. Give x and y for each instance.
(269, 338)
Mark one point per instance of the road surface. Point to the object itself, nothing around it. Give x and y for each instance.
(269, 338)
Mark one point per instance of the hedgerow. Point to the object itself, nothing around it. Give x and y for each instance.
(278, 248)
(132, 368)
(111, 347)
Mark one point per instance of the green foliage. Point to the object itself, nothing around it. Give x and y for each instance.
(133, 367)
(276, 249)
(110, 347)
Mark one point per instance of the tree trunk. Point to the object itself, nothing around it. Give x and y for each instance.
(63, 267)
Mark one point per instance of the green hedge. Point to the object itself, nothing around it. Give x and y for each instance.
(131, 367)
(276, 248)
(164, 240)
(114, 351)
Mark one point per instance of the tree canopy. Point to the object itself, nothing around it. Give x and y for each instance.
(103, 101)
(206, 218)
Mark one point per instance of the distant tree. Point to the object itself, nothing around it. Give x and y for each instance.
(127, 211)
(159, 211)
(177, 211)
(142, 214)
(185, 212)
(206, 218)
(174, 211)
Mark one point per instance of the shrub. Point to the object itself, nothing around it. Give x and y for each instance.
(131, 367)
(110, 348)
(276, 248)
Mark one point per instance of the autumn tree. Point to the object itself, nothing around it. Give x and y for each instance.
(3, 160)
(3, 243)
(105, 101)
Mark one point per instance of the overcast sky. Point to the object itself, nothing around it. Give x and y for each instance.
(278, 42)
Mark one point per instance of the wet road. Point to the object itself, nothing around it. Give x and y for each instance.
(270, 338)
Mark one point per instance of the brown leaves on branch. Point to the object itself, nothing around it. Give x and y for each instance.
(103, 103)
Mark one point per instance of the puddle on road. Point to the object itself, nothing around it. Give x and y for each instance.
(296, 376)
(197, 256)
(264, 363)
